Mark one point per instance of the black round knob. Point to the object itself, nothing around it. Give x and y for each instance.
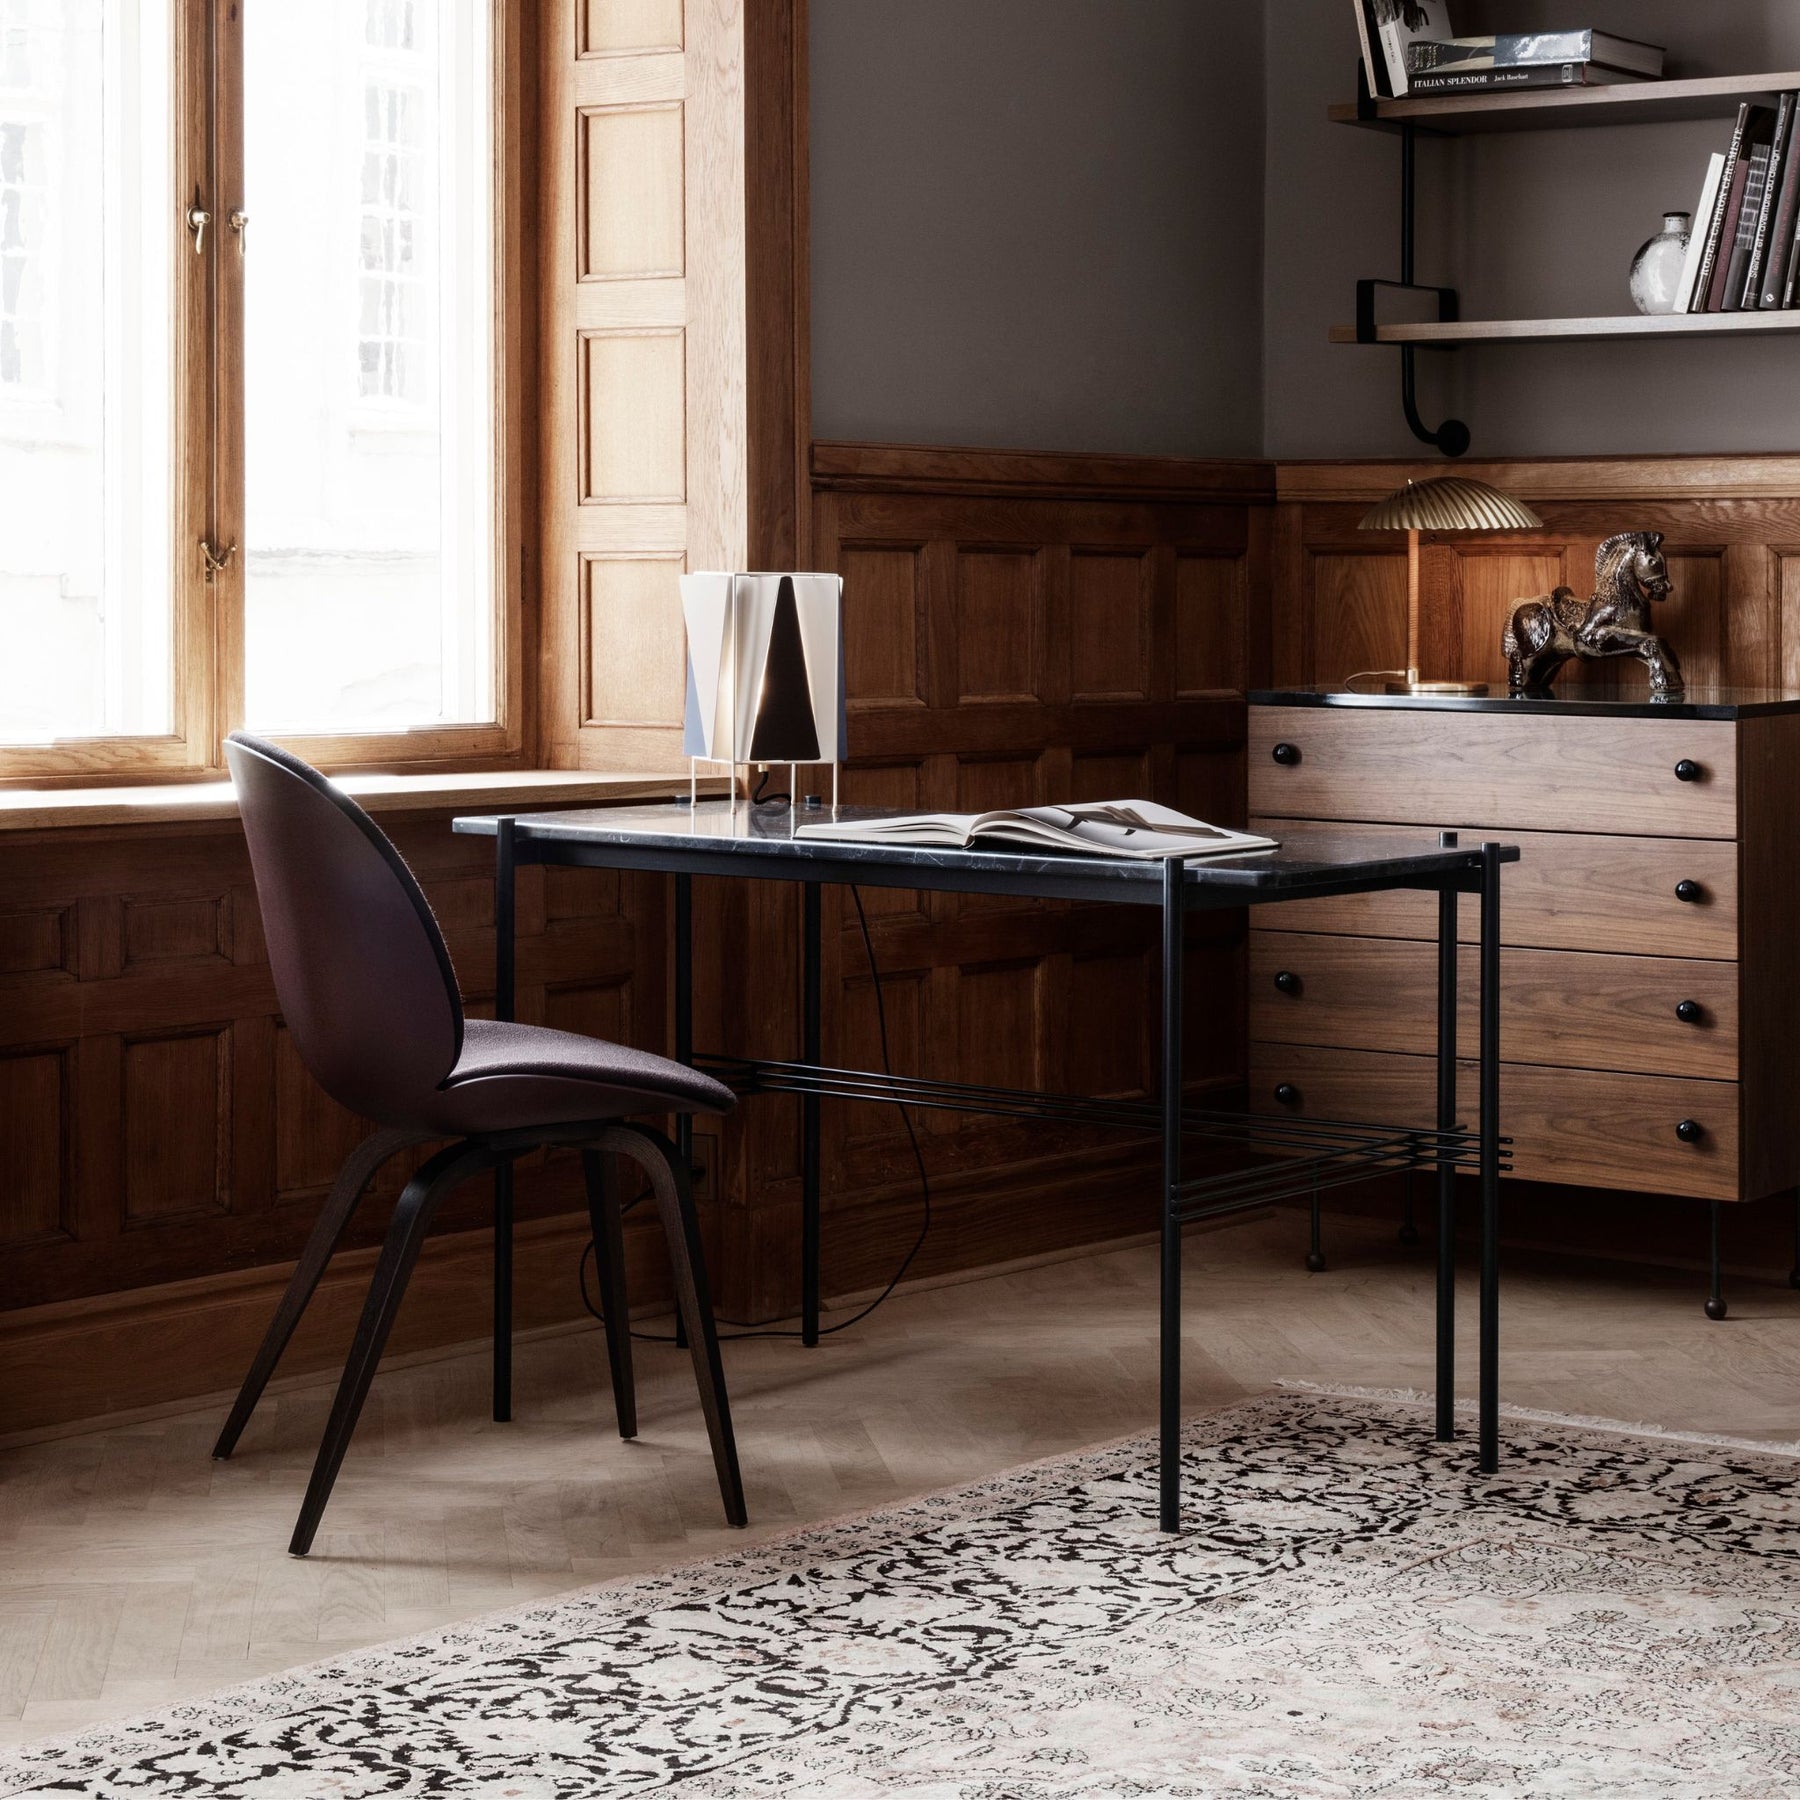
(1690, 1131)
(1688, 1012)
(1287, 1094)
(1688, 770)
(1286, 754)
(1689, 891)
(1288, 982)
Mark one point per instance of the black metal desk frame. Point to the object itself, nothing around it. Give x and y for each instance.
(1309, 1155)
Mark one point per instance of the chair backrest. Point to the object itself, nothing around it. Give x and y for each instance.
(364, 980)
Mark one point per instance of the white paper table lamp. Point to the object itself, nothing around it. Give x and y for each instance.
(765, 673)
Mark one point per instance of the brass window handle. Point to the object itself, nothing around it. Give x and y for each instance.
(198, 218)
(239, 221)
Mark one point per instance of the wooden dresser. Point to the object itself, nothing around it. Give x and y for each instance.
(1650, 1017)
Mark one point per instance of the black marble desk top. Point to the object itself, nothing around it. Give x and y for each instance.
(1699, 702)
(717, 838)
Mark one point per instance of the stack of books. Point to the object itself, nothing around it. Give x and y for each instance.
(1529, 59)
(1744, 253)
(1409, 47)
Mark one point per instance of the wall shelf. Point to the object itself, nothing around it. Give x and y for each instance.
(1547, 109)
(1623, 327)
(1534, 109)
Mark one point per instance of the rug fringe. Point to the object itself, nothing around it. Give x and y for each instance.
(1537, 1416)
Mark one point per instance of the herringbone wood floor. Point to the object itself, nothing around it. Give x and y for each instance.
(134, 1571)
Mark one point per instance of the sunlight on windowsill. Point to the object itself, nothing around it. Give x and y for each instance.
(196, 802)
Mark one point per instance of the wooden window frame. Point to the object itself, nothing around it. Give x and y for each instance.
(207, 442)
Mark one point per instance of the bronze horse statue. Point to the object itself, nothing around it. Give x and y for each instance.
(1629, 576)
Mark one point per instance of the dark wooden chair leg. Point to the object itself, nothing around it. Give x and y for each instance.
(609, 1257)
(412, 1217)
(334, 1218)
(675, 1203)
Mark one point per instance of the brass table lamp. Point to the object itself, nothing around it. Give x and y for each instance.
(1448, 503)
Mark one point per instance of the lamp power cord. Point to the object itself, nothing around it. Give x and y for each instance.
(767, 1328)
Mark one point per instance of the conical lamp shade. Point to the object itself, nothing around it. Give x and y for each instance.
(1450, 503)
(785, 731)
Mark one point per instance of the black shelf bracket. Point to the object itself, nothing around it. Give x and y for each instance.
(1451, 437)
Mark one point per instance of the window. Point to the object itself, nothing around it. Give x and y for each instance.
(391, 344)
(85, 365)
(248, 397)
(368, 367)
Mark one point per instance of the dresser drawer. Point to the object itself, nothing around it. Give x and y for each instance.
(1517, 771)
(1563, 1007)
(1567, 891)
(1584, 1126)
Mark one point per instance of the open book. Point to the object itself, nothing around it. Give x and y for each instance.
(1134, 828)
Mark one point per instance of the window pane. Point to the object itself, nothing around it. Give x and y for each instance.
(87, 231)
(369, 404)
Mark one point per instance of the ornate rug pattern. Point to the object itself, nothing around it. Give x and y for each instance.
(1352, 1610)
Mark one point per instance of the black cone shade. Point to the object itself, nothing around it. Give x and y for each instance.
(785, 730)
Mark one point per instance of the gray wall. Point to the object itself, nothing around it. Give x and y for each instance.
(1126, 225)
(1528, 224)
(1038, 223)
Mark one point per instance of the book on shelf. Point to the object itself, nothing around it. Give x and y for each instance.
(1773, 284)
(1547, 75)
(1138, 830)
(1759, 147)
(1709, 290)
(1696, 245)
(1386, 28)
(1524, 49)
(1374, 66)
(1751, 292)
(1792, 281)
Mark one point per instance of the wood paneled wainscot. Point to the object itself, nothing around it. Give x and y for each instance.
(1019, 629)
(164, 1152)
(1652, 927)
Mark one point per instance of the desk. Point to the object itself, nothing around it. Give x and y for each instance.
(1304, 1155)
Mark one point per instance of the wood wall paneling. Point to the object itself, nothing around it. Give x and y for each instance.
(631, 607)
(643, 426)
(1014, 627)
(36, 1148)
(627, 27)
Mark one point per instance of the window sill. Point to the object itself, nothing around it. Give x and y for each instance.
(196, 802)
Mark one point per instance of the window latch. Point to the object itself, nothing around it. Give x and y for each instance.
(239, 221)
(198, 218)
(215, 558)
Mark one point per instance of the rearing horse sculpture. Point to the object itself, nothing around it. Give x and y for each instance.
(1629, 576)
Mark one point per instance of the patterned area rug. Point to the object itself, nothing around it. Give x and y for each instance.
(1352, 1611)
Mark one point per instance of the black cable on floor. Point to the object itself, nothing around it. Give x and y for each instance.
(758, 1328)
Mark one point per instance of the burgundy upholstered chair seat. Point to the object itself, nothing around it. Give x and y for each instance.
(511, 1076)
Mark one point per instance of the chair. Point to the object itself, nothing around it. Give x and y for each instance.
(369, 994)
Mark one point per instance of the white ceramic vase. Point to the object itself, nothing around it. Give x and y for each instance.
(1656, 269)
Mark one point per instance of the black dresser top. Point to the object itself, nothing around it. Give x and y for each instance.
(1699, 702)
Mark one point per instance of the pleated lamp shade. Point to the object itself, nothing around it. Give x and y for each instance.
(1450, 503)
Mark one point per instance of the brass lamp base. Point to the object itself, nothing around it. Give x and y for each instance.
(1414, 686)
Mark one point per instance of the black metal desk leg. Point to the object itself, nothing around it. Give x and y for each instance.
(1490, 1159)
(1446, 1121)
(504, 933)
(1169, 1445)
(684, 1036)
(809, 1121)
